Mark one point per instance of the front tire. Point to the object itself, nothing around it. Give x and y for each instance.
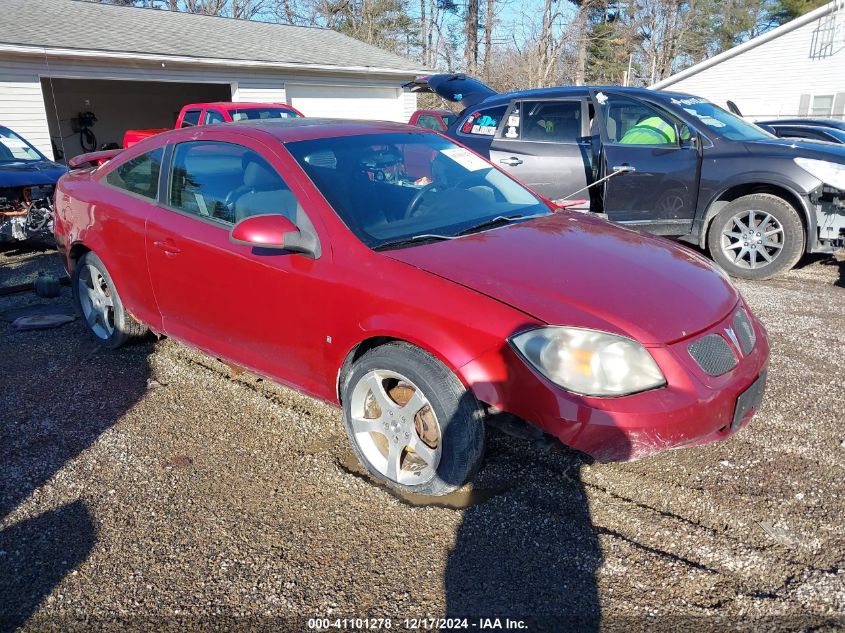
(99, 304)
(756, 237)
(411, 422)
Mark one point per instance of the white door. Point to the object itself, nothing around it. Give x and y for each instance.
(347, 102)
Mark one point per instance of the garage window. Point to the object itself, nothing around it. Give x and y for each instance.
(138, 175)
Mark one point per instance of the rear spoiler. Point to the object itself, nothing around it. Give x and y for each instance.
(454, 87)
(94, 159)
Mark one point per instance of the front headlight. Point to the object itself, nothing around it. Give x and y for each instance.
(589, 362)
(832, 174)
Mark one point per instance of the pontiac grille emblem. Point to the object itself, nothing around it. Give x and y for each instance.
(732, 335)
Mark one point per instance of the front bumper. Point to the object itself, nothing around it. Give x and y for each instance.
(694, 408)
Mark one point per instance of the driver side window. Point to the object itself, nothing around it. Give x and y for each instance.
(630, 122)
(227, 183)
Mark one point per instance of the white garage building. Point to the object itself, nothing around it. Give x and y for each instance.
(135, 68)
(797, 69)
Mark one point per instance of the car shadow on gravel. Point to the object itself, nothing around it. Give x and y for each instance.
(532, 552)
(62, 394)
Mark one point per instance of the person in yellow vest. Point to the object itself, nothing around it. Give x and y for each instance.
(650, 131)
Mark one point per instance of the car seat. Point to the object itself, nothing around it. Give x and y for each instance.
(263, 192)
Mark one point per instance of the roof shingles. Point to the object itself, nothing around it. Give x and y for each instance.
(91, 26)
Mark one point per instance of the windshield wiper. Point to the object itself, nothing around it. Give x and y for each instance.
(416, 239)
(499, 220)
(433, 237)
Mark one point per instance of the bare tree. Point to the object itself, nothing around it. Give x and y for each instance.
(471, 49)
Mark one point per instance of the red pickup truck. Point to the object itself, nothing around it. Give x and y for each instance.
(219, 112)
(437, 120)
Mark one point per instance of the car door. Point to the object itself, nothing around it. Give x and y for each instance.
(259, 308)
(212, 116)
(191, 117)
(545, 144)
(660, 190)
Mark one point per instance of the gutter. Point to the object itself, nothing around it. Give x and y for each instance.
(201, 61)
(798, 22)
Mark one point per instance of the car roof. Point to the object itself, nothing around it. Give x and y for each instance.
(238, 104)
(434, 111)
(301, 129)
(576, 91)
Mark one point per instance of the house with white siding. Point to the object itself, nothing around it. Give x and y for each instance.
(135, 68)
(795, 70)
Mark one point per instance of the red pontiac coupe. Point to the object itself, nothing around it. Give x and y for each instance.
(389, 270)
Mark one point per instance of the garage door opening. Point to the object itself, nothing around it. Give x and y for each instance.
(118, 106)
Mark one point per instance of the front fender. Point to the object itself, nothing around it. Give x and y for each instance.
(797, 191)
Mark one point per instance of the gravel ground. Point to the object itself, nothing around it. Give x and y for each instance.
(148, 488)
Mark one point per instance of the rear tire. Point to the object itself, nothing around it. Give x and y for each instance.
(756, 237)
(411, 423)
(98, 303)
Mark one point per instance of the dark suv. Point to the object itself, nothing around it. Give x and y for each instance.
(678, 165)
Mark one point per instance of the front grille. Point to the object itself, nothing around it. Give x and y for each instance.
(744, 332)
(713, 354)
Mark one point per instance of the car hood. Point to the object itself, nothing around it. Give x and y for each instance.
(23, 173)
(791, 147)
(569, 269)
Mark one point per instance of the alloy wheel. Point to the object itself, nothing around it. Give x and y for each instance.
(96, 301)
(752, 239)
(395, 427)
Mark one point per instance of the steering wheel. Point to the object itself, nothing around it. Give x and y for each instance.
(410, 210)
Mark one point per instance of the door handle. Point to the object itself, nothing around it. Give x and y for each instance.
(167, 247)
(623, 168)
(513, 161)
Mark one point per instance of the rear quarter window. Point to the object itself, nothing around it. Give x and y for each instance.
(138, 175)
(483, 122)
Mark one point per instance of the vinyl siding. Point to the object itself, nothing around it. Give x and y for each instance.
(769, 80)
(410, 100)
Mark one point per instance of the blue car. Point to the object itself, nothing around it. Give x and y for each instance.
(27, 181)
(827, 130)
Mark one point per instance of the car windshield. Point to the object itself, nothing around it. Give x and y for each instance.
(721, 121)
(449, 119)
(14, 149)
(242, 114)
(392, 187)
(838, 134)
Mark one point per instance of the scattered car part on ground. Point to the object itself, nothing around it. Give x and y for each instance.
(693, 166)
(42, 321)
(27, 181)
(617, 343)
(195, 114)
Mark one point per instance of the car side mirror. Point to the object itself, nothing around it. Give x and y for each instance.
(688, 137)
(273, 231)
